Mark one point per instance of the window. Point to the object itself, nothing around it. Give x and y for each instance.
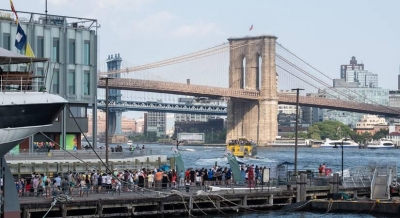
(71, 47)
(40, 47)
(40, 78)
(55, 82)
(55, 56)
(86, 83)
(71, 82)
(6, 41)
(86, 55)
(77, 111)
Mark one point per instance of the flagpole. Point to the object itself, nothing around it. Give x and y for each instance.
(46, 12)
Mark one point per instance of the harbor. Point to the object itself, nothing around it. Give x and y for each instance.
(307, 192)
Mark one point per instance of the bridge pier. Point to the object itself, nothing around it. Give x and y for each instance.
(255, 120)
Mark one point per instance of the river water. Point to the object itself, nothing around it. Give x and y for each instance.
(308, 158)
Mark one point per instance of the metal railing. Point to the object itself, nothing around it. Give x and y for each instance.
(83, 154)
(22, 84)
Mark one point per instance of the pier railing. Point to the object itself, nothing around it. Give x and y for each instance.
(82, 154)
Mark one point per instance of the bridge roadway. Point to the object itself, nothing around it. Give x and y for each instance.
(209, 91)
(161, 106)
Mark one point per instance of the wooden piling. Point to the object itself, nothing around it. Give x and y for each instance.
(301, 188)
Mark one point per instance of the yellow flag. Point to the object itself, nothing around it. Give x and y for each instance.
(29, 51)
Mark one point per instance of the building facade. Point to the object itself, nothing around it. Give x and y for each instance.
(156, 122)
(70, 44)
(344, 68)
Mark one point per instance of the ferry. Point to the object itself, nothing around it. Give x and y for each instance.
(382, 143)
(242, 147)
(346, 143)
(129, 142)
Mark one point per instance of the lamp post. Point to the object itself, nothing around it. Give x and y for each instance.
(106, 79)
(212, 134)
(345, 139)
(296, 129)
(177, 139)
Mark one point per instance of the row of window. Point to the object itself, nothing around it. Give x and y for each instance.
(71, 84)
(55, 52)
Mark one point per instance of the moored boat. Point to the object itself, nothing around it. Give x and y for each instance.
(25, 106)
(382, 143)
(338, 143)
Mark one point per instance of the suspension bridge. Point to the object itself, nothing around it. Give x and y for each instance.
(249, 72)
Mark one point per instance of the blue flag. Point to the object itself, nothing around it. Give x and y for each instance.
(20, 38)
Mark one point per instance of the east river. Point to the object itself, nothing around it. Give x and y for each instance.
(308, 159)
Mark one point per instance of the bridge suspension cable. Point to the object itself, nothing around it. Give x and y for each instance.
(349, 97)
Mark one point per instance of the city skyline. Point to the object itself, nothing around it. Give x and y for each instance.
(324, 34)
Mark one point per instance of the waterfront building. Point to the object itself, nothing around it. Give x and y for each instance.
(196, 117)
(394, 98)
(70, 44)
(156, 122)
(128, 125)
(364, 95)
(371, 123)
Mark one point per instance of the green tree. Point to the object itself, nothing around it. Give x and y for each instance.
(329, 129)
(382, 133)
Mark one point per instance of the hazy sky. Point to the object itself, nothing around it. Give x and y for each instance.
(324, 33)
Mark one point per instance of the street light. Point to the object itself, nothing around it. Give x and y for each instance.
(106, 79)
(212, 134)
(296, 129)
(177, 139)
(345, 139)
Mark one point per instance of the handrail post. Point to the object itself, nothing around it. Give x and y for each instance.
(21, 85)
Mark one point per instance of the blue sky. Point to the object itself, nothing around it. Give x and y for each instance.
(324, 33)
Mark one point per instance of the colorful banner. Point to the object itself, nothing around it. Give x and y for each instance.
(71, 142)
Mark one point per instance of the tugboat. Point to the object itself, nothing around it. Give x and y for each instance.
(242, 147)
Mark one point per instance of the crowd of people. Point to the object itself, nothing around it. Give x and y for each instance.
(79, 184)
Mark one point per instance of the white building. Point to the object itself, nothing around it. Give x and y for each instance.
(369, 121)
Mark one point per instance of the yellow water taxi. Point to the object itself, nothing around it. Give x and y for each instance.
(242, 147)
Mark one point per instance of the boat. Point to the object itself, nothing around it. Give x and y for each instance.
(129, 142)
(338, 143)
(382, 143)
(25, 109)
(25, 106)
(242, 147)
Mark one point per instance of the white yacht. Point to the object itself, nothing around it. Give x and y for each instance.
(346, 143)
(25, 106)
(129, 142)
(382, 143)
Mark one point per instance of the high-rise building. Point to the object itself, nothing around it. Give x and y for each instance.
(156, 122)
(352, 66)
(70, 44)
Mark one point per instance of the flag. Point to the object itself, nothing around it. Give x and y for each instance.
(20, 38)
(251, 28)
(29, 51)
(13, 10)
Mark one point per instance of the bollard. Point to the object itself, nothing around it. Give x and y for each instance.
(301, 188)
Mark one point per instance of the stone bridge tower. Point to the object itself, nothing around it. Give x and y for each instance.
(252, 67)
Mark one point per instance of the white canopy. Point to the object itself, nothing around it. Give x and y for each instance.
(9, 57)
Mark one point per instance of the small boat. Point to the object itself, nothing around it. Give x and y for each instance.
(382, 143)
(129, 142)
(242, 147)
(338, 143)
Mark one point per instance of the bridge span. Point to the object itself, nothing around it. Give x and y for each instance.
(245, 95)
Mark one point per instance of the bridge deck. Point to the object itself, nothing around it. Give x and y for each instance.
(209, 91)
